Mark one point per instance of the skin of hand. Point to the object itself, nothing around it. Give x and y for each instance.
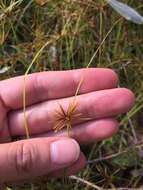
(48, 153)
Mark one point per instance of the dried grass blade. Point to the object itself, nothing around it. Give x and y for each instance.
(58, 124)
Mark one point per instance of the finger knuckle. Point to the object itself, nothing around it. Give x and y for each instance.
(25, 158)
(39, 86)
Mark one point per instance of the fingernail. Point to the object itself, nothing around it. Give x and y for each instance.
(64, 152)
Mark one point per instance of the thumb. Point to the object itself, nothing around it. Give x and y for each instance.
(26, 159)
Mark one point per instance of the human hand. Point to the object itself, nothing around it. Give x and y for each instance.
(49, 153)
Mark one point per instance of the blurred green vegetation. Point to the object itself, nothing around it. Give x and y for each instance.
(74, 30)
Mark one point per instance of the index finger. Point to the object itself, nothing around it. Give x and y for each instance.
(54, 84)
